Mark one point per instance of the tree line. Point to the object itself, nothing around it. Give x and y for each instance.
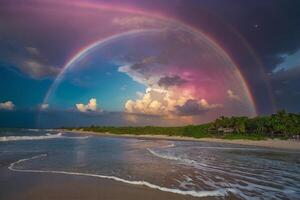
(279, 125)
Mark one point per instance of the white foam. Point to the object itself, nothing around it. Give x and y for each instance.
(170, 145)
(199, 165)
(251, 183)
(219, 192)
(32, 129)
(170, 157)
(231, 148)
(40, 137)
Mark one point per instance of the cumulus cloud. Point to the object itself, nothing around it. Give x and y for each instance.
(8, 105)
(90, 106)
(233, 96)
(168, 81)
(195, 107)
(164, 95)
(167, 103)
(154, 101)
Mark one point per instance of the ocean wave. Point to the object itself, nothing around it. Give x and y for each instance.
(33, 129)
(39, 137)
(170, 145)
(203, 166)
(170, 157)
(217, 192)
(249, 180)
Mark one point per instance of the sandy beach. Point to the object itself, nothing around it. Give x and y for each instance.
(44, 186)
(17, 186)
(269, 143)
(77, 166)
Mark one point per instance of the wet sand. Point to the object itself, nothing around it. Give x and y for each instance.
(23, 186)
(43, 186)
(270, 143)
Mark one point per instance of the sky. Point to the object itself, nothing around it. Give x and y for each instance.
(138, 62)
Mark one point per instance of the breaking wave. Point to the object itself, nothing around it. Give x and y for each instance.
(170, 157)
(39, 137)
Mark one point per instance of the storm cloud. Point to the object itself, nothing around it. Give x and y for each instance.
(195, 107)
(168, 81)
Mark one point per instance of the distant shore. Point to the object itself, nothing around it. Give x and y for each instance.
(269, 143)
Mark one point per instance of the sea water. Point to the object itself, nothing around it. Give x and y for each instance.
(198, 169)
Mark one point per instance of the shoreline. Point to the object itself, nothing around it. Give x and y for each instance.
(15, 186)
(269, 143)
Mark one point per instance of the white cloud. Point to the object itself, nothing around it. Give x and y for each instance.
(233, 96)
(166, 102)
(141, 72)
(8, 105)
(44, 106)
(152, 102)
(136, 76)
(90, 106)
(290, 61)
(156, 101)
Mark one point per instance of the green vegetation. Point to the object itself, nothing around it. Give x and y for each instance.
(280, 125)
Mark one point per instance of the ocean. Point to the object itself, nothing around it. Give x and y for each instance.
(195, 169)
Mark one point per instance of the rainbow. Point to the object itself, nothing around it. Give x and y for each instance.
(86, 49)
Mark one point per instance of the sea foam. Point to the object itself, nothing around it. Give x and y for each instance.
(170, 157)
(39, 137)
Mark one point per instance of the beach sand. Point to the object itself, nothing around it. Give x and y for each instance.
(269, 143)
(37, 186)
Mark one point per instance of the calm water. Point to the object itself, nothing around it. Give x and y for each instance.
(190, 168)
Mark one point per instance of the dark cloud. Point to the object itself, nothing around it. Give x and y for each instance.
(286, 75)
(28, 60)
(194, 107)
(286, 87)
(168, 81)
(272, 28)
(250, 31)
(144, 63)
